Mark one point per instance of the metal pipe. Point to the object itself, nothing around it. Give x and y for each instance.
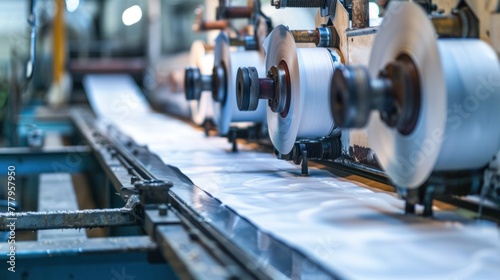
(237, 12)
(59, 40)
(195, 83)
(68, 159)
(30, 68)
(236, 42)
(67, 219)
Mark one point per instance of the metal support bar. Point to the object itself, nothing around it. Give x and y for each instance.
(68, 219)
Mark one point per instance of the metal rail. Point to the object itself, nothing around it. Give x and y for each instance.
(68, 219)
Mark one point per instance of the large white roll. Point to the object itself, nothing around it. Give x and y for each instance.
(202, 109)
(227, 111)
(460, 100)
(311, 71)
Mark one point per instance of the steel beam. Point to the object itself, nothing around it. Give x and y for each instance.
(68, 219)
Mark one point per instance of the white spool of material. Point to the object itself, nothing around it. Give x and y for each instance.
(227, 112)
(198, 57)
(460, 100)
(311, 71)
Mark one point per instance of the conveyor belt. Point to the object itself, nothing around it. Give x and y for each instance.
(356, 232)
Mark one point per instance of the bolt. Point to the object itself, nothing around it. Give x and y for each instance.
(162, 210)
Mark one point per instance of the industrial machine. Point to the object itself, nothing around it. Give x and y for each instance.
(389, 107)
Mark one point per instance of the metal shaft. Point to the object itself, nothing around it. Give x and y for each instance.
(250, 88)
(249, 42)
(236, 42)
(322, 36)
(68, 219)
(275, 88)
(206, 82)
(298, 3)
(213, 25)
(267, 88)
(395, 93)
